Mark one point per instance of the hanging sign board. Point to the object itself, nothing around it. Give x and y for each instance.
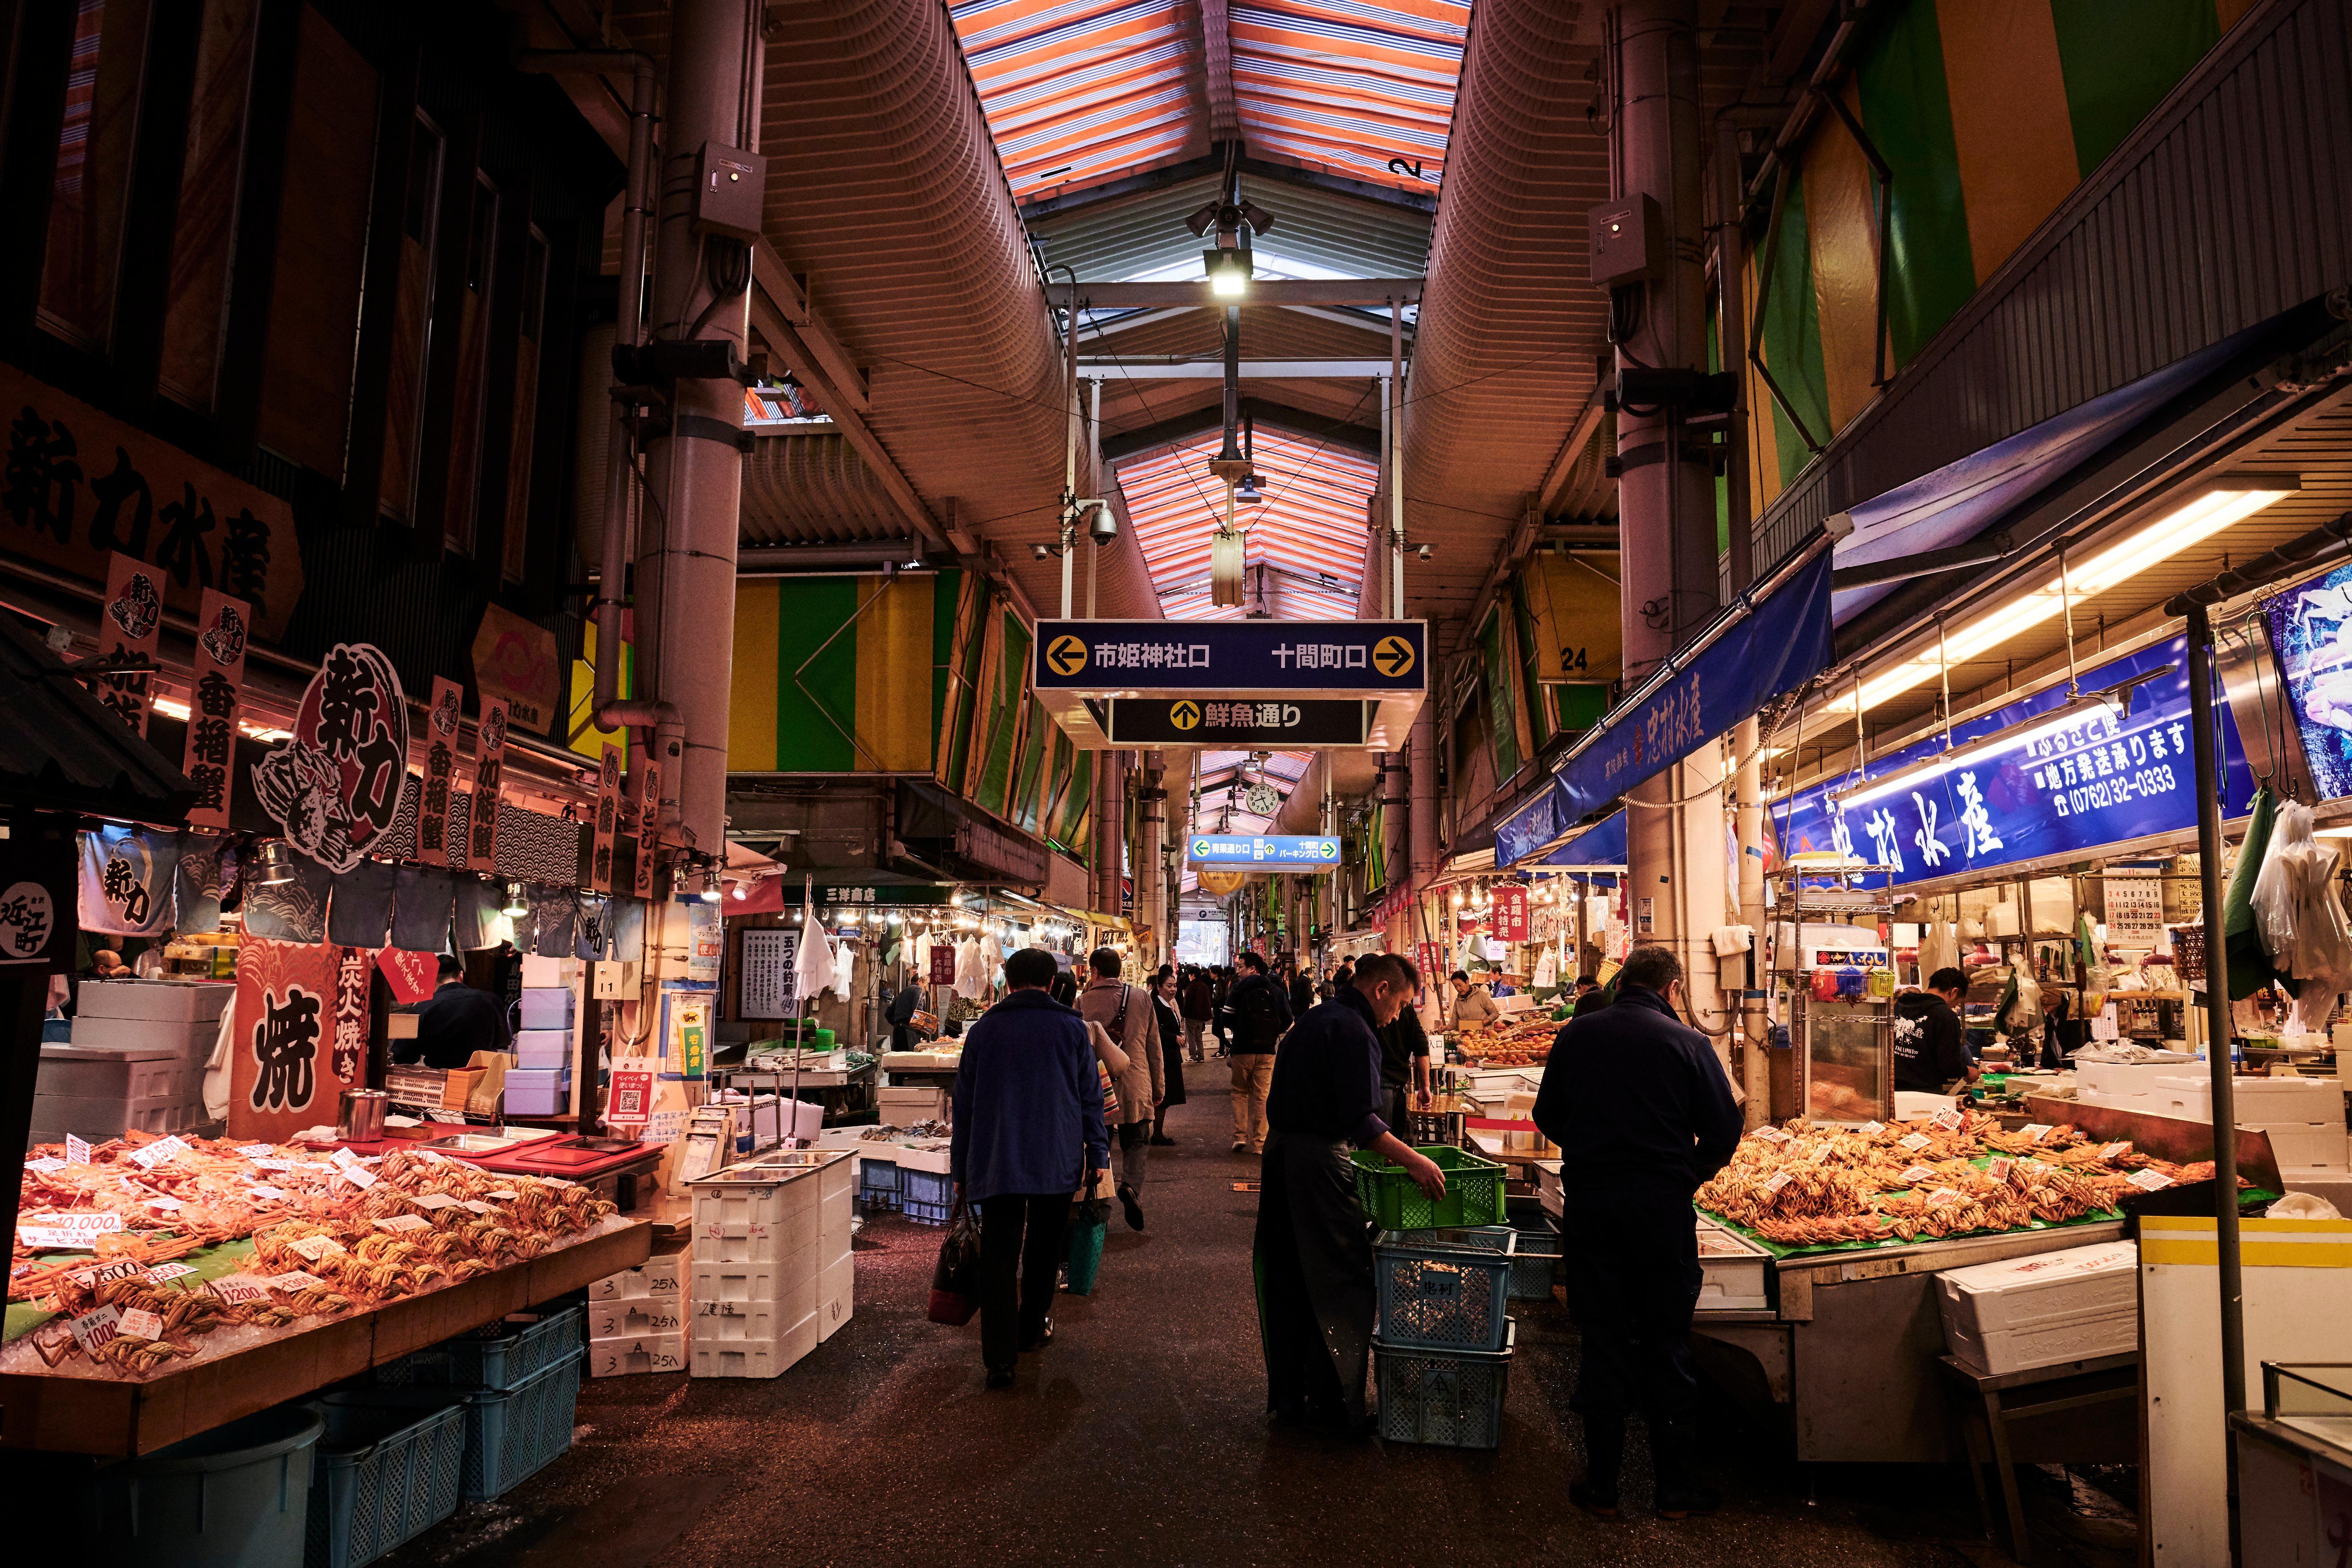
(333, 786)
(130, 625)
(1511, 914)
(440, 774)
(608, 812)
(1290, 853)
(213, 695)
(1229, 723)
(768, 988)
(1283, 662)
(648, 828)
(943, 962)
(490, 772)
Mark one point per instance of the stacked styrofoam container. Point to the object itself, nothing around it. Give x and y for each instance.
(2132, 1086)
(547, 1024)
(2043, 1310)
(637, 1319)
(136, 1060)
(771, 1270)
(2302, 1116)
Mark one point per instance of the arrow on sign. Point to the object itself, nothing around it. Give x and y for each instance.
(1392, 656)
(1184, 715)
(1068, 654)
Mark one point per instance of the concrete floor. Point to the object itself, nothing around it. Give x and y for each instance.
(1138, 1437)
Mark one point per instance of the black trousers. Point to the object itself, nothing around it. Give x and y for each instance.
(1316, 1295)
(1021, 1261)
(1633, 1281)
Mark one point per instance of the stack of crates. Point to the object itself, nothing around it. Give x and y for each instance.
(637, 1319)
(1442, 1351)
(771, 1272)
(518, 1380)
(136, 1062)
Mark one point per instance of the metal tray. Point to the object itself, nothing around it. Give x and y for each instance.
(473, 1143)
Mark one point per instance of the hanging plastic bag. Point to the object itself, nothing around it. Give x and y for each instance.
(2278, 894)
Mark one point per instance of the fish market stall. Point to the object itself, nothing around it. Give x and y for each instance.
(164, 1287)
(1853, 1223)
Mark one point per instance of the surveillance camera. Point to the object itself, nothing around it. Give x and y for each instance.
(1041, 552)
(1105, 526)
(1424, 552)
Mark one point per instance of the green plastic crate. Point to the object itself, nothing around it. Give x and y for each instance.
(1474, 1192)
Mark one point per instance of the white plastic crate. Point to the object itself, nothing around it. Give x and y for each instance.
(620, 1358)
(1732, 1271)
(753, 1358)
(752, 1214)
(2043, 1309)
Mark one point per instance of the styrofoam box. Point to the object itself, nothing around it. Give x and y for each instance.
(1732, 1271)
(619, 1358)
(550, 974)
(754, 1358)
(173, 1001)
(194, 1041)
(546, 1008)
(529, 1100)
(902, 1106)
(720, 1287)
(125, 1072)
(757, 1317)
(2111, 1081)
(660, 1276)
(2302, 1146)
(100, 1117)
(2043, 1309)
(634, 1319)
(2260, 1101)
(740, 1220)
(834, 1297)
(2335, 1187)
(538, 1078)
(542, 1049)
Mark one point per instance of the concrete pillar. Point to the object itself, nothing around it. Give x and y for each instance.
(1152, 906)
(685, 585)
(1110, 829)
(1421, 763)
(1665, 504)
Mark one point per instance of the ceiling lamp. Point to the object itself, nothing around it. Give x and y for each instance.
(1229, 271)
(1247, 493)
(2111, 703)
(515, 907)
(276, 863)
(2217, 504)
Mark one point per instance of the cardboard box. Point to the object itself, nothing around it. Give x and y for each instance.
(458, 1087)
(2043, 1309)
(904, 1106)
(621, 1358)
(488, 1097)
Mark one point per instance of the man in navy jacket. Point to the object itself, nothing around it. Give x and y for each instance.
(1642, 1113)
(1028, 1131)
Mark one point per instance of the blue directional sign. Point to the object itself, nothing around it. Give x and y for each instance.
(1286, 854)
(1308, 658)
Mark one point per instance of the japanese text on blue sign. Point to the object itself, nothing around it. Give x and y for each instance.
(1216, 849)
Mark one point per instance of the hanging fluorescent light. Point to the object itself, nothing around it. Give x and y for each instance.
(2112, 702)
(1247, 493)
(2217, 504)
(1229, 271)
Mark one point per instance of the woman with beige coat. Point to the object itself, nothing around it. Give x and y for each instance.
(1124, 1013)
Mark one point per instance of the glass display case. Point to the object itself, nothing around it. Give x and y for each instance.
(2313, 1397)
(1847, 1057)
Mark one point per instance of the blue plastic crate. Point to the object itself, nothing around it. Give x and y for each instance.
(877, 1175)
(1536, 1257)
(926, 1186)
(1448, 1399)
(1444, 1288)
(387, 1470)
(503, 1358)
(511, 1434)
(922, 1212)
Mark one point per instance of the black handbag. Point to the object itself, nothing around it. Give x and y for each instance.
(956, 1278)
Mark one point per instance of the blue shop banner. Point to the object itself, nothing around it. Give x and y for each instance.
(1603, 844)
(1782, 643)
(1530, 828)
(2050, 789)
(2311, 632)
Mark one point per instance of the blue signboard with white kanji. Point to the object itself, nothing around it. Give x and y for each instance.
(2053, 789)
(1285, 853)
(1329, 658)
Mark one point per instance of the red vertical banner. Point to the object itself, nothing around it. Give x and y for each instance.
(1428, 966)
(214, 697)
(1510, 922)
(943, 962)
(440, 773)
(130, 625)
(489, 772)
(608, 818)
(282, 1060)
(353, 969)
(648, 826)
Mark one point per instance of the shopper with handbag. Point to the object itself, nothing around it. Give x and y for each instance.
(1028, 1131)
(1172, 1051)
(1125, 1013)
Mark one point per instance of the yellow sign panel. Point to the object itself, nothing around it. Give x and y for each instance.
(1572, 601)
(1067, 655)
(1392, 656)
(1223, 883)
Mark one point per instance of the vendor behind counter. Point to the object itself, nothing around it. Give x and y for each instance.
(452, 1024)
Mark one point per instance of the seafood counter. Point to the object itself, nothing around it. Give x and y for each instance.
(145, 1260)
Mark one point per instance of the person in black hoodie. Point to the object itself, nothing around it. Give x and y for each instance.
(1258, 1013)
(1643, 1112)
(1928, 1053)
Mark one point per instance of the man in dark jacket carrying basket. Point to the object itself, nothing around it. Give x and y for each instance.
(1642, 1111)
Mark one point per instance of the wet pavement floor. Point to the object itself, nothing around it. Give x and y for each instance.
(1139, 1437)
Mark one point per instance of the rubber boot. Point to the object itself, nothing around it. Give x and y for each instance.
(1674, 1450)
(1604, 1456)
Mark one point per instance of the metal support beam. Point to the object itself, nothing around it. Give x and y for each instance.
(1217, 52)
(1173, 367)
(1111, 296)
(792, 300)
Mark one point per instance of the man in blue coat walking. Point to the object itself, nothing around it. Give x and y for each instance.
(1028, 1131)
(1642, 1111)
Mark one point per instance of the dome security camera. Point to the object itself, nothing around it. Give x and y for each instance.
(1103, 527)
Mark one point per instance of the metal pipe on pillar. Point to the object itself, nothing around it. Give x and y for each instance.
(1665, 504)
(686, 558)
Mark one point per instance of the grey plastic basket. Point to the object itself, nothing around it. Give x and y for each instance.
(1534, 1262)
(1447, 1399)
(1446, 1290)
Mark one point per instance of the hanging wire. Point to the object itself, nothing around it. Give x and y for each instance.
(2066, 598)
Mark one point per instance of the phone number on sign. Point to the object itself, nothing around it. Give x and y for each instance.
(2104, 793)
